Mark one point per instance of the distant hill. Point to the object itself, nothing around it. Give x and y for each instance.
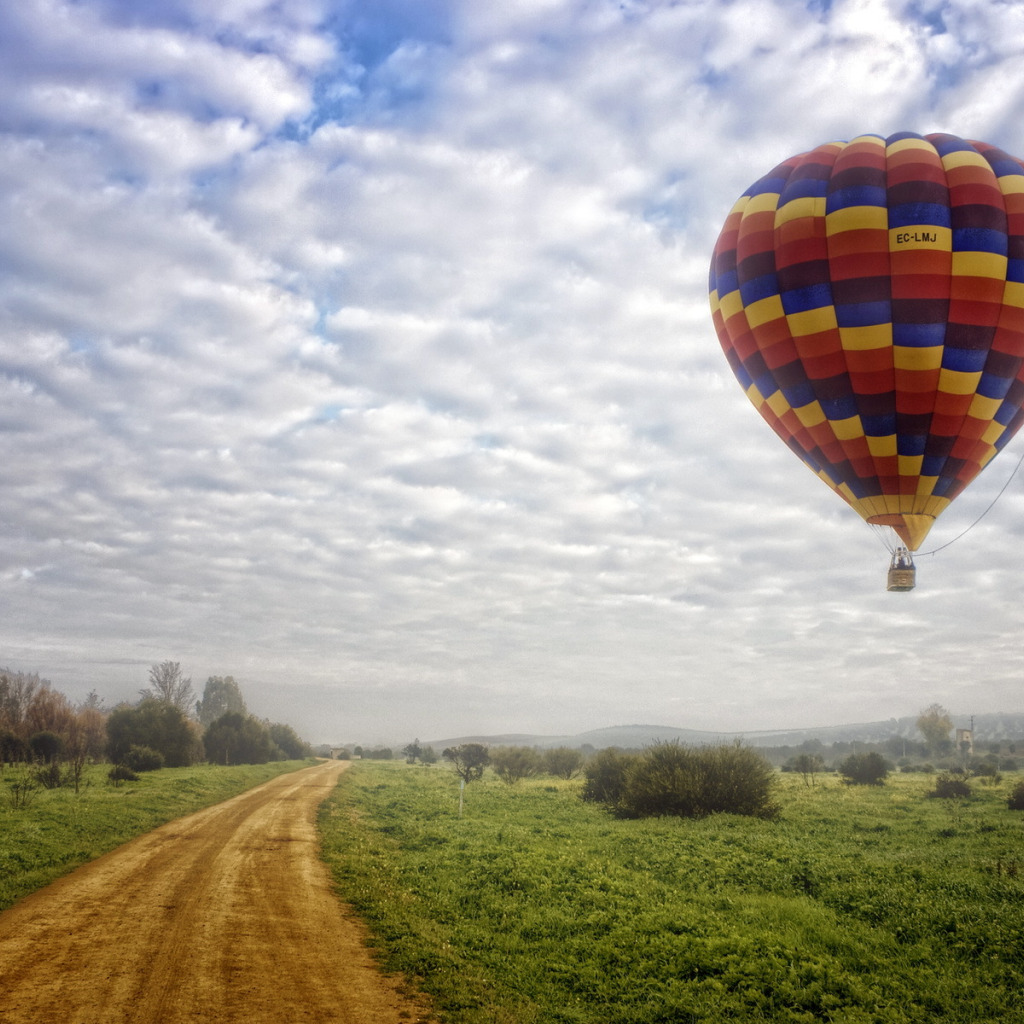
(987, 728)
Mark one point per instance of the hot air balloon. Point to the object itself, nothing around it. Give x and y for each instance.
(869, 297)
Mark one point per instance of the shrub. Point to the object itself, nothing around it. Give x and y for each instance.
(868, 769)
(515, 763)
(1016, 799)
(951, 787)
(670, 779)
(121, 773)
(605, 776)
(143, 759)
(563, 762)
(50, 775)
(22, 793)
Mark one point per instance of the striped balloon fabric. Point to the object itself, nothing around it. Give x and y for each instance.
(869, 296)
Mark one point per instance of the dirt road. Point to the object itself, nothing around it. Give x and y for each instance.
(226, 915)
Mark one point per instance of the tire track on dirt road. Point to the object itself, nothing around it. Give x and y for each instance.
(224, 916)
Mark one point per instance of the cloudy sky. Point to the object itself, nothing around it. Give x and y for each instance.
(361, 351)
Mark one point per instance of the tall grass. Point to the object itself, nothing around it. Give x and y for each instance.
(59, 829)
(858, 904)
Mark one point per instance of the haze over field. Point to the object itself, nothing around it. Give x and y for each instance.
(361, 351)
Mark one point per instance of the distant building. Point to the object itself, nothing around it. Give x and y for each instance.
(965, 741)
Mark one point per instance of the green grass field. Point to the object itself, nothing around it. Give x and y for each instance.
(859, 904)
(60, 829)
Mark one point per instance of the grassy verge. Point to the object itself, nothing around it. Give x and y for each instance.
(60, 829)
(858, 905)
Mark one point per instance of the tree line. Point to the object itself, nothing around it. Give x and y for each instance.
(166, 727)
(669, 778)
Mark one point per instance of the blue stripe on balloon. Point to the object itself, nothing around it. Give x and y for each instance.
(759, 288)
(908, 214)
(863, 314)
(855, 195)
(814, 296)
(979, 240)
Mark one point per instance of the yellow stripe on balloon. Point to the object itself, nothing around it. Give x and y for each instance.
(979, 264)
(857, 218)
(765, 202)
(956, 382)
(906, 357)
(882, 447)
(983, 408)
(848, 429)
(764, 311)
(810, 415)
(921, 236)
(812, 321)
(778, 404)
(861, 339)
(802, 207)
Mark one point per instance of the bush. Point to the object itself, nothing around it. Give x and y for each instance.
(605, 776)
(951, 787)
(22, 793)
(515, 763)
(50, 775)
(868, 769)
(1016, 799)
(121, 773)
(143, 759)
(685, 782)
(563, 762)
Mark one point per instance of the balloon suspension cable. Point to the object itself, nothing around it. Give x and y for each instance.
(991, 505)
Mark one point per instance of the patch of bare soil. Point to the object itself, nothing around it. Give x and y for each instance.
(224, 916)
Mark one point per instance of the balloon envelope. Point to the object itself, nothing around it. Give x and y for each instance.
(869, 296)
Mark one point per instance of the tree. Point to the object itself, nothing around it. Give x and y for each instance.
(563, 762)
(169, 686)
(46, 746)
(935, 726)
(287, 741)
(156, 724)
(220, 695)
(468, 760)
(238, 739)
(12, 747)
(515, 763)
(16, 692)
(89, 731)
(808, 765)
(48, 710)
(412, 751)
(865, 769)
